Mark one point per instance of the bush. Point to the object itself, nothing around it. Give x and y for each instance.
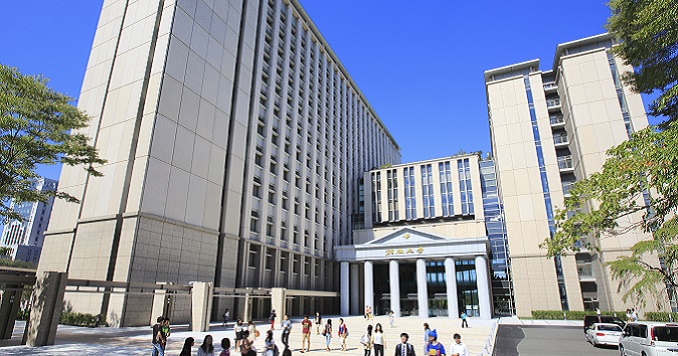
(571, 314)
(23, 314)
(660, 316)
(82, 319)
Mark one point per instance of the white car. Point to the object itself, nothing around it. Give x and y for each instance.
(649, 339)
(604, 334)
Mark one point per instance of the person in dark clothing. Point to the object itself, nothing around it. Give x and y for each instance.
(159, 338)
(188, 344)
(404, 348)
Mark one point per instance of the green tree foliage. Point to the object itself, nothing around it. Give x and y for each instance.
(37, 126)
(640, 176)
(648, 30)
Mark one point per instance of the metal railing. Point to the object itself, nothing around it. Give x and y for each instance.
(550, 103)
(557, 120)
(565, 163)
(560, 139)
(550, 85)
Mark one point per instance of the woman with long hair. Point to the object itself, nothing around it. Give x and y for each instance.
(328, 334)
(269, 344)
(188, 344)
(366, 340)
(378, 340)
(206, 349)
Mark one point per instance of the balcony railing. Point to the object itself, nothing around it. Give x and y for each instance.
(567, 186)
(565, 163)
(550, 86)
(552, 103)
(557, 120)
(560, 139)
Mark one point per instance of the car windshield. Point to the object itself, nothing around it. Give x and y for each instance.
(609, 328)
(666, 333)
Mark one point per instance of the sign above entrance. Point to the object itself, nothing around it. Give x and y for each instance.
(403, 251)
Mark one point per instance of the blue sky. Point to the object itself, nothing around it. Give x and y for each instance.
(419, 63)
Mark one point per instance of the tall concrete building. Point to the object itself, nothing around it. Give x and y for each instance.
(549, 129)
(234, 138)
(428, 241)
(25, 238)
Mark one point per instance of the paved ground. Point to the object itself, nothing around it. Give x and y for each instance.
(136, 341)
(539, 340)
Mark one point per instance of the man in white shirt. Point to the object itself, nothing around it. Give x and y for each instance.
(458, 348)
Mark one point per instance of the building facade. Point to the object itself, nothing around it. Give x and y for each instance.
(25, 238)
(234, 138)
(549, 129)
(426, 245)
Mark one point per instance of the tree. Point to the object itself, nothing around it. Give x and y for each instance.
(640, 177)
(5, 251)
(37, 126)
(648, 31)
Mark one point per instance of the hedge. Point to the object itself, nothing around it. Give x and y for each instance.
(660, 316)
(571, 315)
(82, 319)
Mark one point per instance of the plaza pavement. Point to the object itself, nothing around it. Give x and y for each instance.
(136, 340)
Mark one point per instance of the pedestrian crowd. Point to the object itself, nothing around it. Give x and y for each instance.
(246, 334)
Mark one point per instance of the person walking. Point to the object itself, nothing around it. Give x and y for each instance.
(366, 340)
(269, 344)
(225, 347)
(343, 333)
(166, 330)
(318, 321)
(306, 326)
(246, 348)
(226, 315)
(238, 328)
(252, 331)
(159, 339)
(206, 349)
(378, 340)
(458, 348)
(188, 345)
(286, 329)
(327, 333)
(427, 329)
(391, 318)
(463, 319)
(434, 348)
(404, 348)
(271, 319)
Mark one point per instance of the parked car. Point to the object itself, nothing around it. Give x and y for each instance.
(604, 334)
(592, 319)
(649, 339)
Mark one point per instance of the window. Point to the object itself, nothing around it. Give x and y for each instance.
(269, 226)
(256, 190)
(410, 196)
(427, 190)
(392, 194)
(446, 188)
(465, 186)
(254, 221)
(271, 194)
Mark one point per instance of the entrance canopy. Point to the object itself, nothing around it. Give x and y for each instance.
(409, 243)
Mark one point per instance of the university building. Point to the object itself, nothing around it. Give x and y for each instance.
(240, 152)
(429, 242)
(235, 140)
(549, 129)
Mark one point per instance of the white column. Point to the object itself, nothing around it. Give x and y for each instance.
(369, 285)
(451, 285)
(354, 281)
(343, 289)
(422, 291)
(483, 281)
(394, 279)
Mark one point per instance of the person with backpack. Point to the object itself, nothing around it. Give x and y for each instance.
(246, 345)
(271, 319)
(343, 333)
(434, 348)
(404, 348)
(270, 348)
(226, 315)
(463, 319)
(366, 340)
(327, 333)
